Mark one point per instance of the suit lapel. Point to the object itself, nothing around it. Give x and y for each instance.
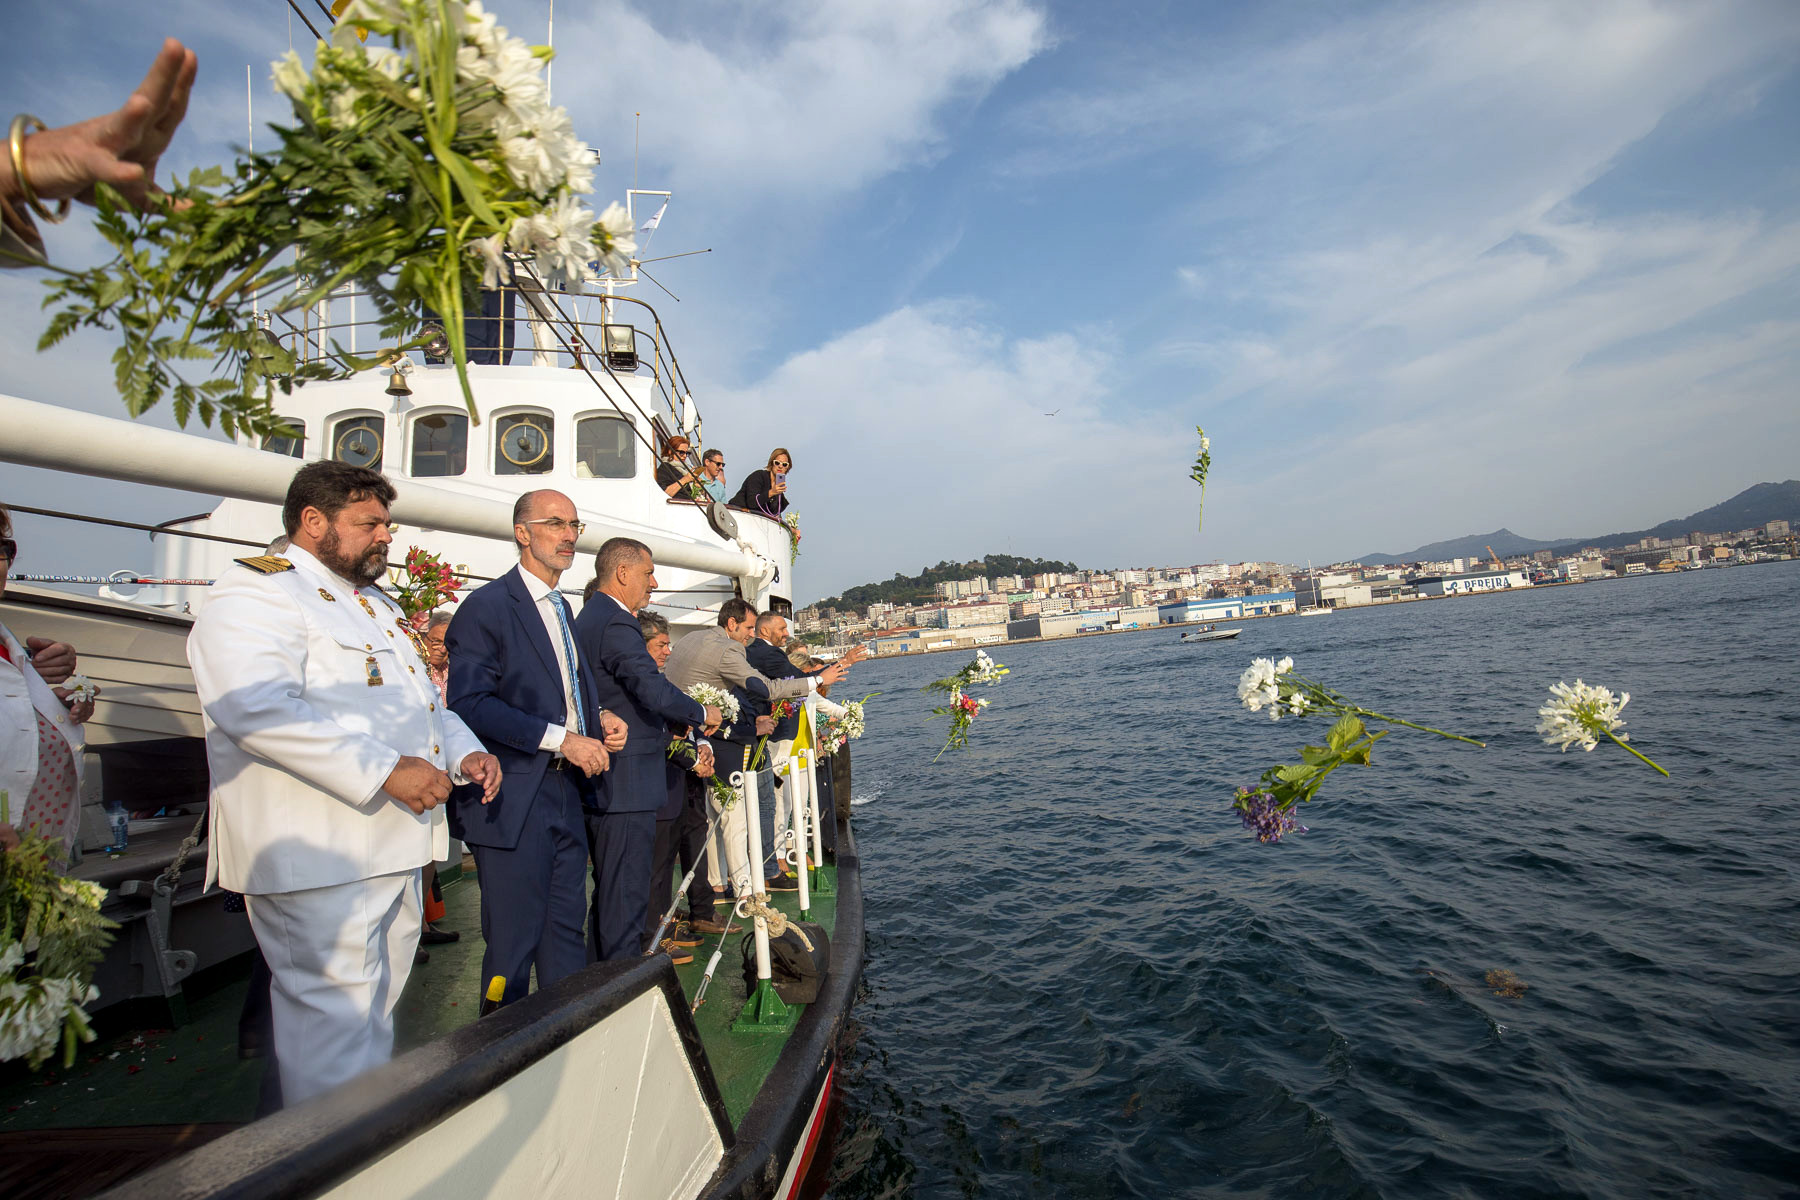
(532, 623)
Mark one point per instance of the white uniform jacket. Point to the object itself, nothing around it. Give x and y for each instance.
(24, 694)
(309, 702)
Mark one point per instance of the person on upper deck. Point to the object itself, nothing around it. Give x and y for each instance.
(765, 491)
(673, 475)
(712, 474)
(40, 734)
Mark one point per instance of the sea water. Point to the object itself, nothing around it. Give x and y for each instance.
(1084, 978)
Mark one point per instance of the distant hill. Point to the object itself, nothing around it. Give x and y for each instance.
(1504, 542)
(916, 589)
(1751, 507)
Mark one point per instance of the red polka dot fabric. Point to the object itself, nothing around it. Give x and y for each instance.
(53, 807)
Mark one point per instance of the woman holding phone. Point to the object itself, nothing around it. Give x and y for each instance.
(765, 491)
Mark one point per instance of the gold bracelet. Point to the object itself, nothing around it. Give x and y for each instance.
(17, 138)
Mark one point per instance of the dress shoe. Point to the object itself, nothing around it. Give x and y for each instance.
(782, 883)
(420, 958)
(707, 925)
(439, 937)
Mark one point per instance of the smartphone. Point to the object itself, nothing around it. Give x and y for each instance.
(781, 477)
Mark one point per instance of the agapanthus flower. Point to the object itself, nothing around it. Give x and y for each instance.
(1581, 714)
(1262, 815)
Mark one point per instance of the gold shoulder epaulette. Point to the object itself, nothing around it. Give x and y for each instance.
(267, 564)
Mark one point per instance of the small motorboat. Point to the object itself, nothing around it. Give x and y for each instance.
(1208, 633)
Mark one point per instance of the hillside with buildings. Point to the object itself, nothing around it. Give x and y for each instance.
(957, 605)
(934, 582)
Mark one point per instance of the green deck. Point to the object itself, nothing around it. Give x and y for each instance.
(193, 1074)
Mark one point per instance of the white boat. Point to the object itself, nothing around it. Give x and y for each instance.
(1320, 611)
(1206, 633)
(606, 1084)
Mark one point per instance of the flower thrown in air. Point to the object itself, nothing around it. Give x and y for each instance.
(1581, 714)
(1263, 815)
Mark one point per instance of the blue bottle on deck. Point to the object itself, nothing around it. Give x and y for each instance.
(118, 820)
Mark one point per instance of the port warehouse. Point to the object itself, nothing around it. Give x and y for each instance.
(1071, 624)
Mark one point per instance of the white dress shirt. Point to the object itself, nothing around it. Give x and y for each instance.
(540, 593)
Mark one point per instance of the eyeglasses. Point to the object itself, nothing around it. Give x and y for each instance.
(9, 550)
(557, 525)
(785, 466)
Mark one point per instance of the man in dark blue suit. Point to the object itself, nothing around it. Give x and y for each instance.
(766, 655)
(622, 824)
(518, 680)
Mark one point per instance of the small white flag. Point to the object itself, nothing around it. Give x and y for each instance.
(650, 225)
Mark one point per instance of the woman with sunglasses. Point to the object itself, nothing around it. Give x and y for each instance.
(40, 729)
(765, 491)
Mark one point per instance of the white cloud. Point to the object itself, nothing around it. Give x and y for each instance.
(923, 436)
(820, 99)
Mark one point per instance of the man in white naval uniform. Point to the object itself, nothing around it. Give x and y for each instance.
(331, 754)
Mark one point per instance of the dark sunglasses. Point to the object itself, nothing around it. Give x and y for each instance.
(9, 550)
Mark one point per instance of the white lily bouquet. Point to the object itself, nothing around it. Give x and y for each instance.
(412, 170)
(1267, 685)
(962, 708)
(727, 704)
(1582, 714)
(51, 935)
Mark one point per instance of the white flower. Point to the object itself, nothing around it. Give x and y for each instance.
(1256, 686)
(558, 239)
(80, 689)
(290, 76)
(1578, 715)
(1284, 666)
(495, 270)
(1298, 704)
(621, 239)
(388, 62)
(718, 697)
(479, 27)
(1205, 444)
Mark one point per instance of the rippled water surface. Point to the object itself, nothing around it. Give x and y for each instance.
(1085, 979)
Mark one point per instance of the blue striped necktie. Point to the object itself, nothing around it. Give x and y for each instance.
(562, 619)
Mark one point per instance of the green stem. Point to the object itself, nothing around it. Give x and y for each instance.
(1609, 733)
(1375, 716)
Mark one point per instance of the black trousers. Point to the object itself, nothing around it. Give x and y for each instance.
(690, 845)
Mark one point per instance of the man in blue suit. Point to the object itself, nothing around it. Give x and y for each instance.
(518, 679)
(622, 824)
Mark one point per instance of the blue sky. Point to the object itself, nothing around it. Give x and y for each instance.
(1421, 269)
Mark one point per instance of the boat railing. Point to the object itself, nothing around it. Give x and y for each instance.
(557, 332)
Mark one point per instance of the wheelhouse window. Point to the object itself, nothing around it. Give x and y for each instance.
(440, 445)
(522, 444)
(292, 447)
(605, 448)
(357, 441)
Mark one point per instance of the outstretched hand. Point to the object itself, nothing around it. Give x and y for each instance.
(121, 148)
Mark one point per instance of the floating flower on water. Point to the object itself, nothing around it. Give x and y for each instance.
(1581, 714)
